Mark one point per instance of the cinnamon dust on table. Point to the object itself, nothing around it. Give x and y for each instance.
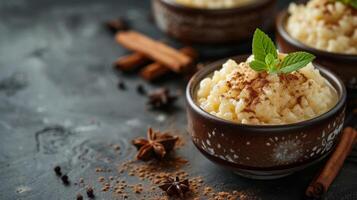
(156, 173)
(141, 180)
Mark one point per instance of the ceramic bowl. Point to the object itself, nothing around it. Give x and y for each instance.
(213, 25)
(263, 151)
(344, 65)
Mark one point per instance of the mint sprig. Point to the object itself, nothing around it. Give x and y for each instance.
(266, 56)
(352, 3)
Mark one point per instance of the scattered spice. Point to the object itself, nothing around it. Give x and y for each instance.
(90, 192)
(156, 145)
(79, 197)
(156, 172)
(161, 98)
(137, 188)
(119, 24)
(101, 179)
(121, 85)
(65, 179)
(141, 90)
(175, 187)
(57, 170)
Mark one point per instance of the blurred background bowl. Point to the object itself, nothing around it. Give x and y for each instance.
(199, 25)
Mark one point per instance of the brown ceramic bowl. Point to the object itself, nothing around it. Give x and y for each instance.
(213, 25)
(344, 65)
(263, 151)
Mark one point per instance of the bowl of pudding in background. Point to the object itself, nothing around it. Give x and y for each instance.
(266, 148)
(326, 29)
(213, 23)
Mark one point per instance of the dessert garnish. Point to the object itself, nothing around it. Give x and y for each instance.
(352, 3)
(175, 187)
(322, 182)
(157, 145)
(119, 24)
(266, 56)
(161, 98)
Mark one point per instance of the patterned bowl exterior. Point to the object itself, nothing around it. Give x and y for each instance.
(343, 65)
(264, 152)
(213, 26)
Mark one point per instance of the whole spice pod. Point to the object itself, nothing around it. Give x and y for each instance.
(175, 187)
(156, 145)
(161, 99)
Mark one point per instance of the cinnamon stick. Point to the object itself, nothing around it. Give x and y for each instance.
(322, 182)
(154, 50)
(155, 70)
(129, 62)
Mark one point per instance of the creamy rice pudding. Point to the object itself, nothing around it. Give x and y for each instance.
(325, 25)
(238, 93)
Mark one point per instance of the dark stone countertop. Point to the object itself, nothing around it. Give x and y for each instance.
(60, 104)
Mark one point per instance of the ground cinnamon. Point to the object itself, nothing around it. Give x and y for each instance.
(322, 182)
(130, 62)
(155, 70)
(154, 50)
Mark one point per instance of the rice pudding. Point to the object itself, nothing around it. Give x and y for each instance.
(324, 24)
(238, 93)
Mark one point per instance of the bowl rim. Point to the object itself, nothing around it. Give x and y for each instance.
(281, 29)
(198, 76)
(243, 8)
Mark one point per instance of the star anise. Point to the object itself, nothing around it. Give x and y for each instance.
(161, 98)
(157, 145)
(175, 187)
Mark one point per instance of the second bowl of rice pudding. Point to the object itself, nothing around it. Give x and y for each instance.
(264, 125)
(326, 28)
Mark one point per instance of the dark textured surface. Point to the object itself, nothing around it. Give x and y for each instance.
(59, 103)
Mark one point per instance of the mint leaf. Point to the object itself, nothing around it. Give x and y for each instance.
(262, 45)
(266, 56)
(258, 65)
(271, 62)
(269, 59)
(295, 61)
